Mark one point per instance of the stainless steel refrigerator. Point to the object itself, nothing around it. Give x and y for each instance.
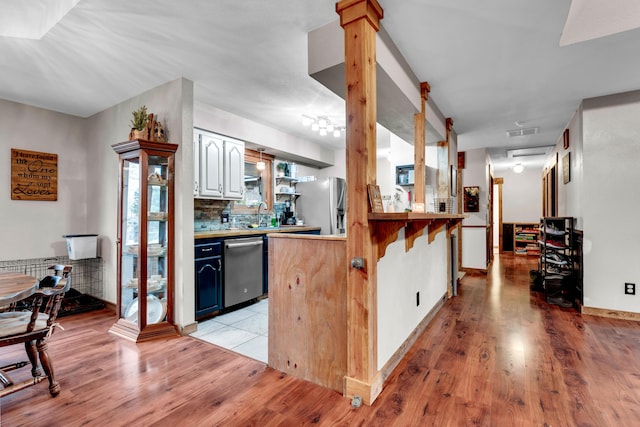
(323, 203)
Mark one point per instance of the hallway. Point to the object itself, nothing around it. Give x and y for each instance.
(501, 356)
(497, 355)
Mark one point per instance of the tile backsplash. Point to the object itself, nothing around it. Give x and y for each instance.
(206, 215)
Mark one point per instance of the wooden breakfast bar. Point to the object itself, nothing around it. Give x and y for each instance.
(308, 294)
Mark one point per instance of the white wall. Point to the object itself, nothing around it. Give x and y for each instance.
(400, 275)
(339, 167)
(88, 182)
(34, 229)
(475, 173)
(570, 194)
(171, 103)
(610, 200)
(521, 195)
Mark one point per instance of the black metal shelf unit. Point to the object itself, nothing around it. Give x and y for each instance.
(556, 263)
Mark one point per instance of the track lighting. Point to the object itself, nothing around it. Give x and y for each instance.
(323, 125)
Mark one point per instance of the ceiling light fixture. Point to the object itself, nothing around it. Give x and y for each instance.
(260, 165)
(323, 125)
(518, 168)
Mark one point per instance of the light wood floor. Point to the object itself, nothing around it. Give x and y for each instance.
(497, 355)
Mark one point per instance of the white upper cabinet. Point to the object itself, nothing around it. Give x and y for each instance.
(233, 169)
(211, 164)
(219, 171)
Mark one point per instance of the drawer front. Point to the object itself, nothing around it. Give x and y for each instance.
(208, 250)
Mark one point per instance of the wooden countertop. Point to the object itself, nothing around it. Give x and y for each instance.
(310, 236)
(251, 231)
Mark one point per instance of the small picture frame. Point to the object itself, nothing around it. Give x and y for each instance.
(375, 198)
(472, 199)
(566, 168)
(565, 139)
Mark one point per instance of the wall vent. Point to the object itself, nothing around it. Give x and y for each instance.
(521, 132)
(529, 152)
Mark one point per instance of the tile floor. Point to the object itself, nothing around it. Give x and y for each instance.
(243, 331)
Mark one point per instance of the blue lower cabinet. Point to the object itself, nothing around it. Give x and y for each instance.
(208, 278)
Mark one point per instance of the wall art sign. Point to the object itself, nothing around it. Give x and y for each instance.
(472, 199)
(375, 198)
(34, 175)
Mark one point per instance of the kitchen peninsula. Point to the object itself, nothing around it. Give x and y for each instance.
(231, 266)
(308, 301)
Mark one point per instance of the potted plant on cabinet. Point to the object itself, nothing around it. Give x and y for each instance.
(139, 124)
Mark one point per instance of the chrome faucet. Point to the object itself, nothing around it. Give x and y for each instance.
(259, 217)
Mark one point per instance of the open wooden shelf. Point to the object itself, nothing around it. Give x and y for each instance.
(386, 225)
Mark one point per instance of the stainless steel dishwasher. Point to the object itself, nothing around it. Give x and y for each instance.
(242, 270)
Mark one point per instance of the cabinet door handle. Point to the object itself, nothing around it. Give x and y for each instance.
(206, 250)
(220, 188)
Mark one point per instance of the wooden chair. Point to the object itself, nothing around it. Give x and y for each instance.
(33, 327)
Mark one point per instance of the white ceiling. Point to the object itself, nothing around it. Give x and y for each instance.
(490, 64)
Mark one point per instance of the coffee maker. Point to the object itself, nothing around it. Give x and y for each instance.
(287, 217)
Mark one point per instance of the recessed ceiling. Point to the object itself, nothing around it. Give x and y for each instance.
(489, 63)
(32, 19)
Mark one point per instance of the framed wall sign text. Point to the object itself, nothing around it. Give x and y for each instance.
(34, 175)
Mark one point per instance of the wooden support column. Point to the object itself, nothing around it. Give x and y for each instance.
(360, 20)
(419, 121)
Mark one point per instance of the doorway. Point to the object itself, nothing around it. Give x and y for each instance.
(550, 190)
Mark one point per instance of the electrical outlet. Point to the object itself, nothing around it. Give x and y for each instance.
(629, 288)
(417, 298)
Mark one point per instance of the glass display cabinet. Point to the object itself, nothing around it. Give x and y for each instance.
(145, 240)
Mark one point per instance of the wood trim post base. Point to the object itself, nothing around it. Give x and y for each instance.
(368, 391)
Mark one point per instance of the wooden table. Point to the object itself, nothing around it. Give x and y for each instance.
(16, 286)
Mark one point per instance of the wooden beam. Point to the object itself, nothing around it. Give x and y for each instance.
(419, 143)
(360, 20)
